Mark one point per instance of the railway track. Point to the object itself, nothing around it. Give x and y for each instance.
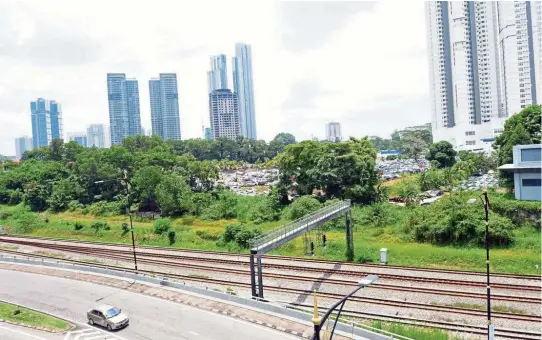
(296, 268)
(536, 278)
(471, 329)
(294, 291)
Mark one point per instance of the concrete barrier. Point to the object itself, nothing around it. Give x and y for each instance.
(166, 282)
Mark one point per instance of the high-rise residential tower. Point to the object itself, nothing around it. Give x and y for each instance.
(520, 42)
(46, 118)
(164, 99)
(243, 86)
(217, 77)
(78, 137)
(22, 144)
(96, 136)
(224, 113)
(124, 115)
(333, 132)
(466, 71)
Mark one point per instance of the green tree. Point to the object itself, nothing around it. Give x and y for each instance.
(413, 144)
(443, 152)
(173, 195)
(285, 138)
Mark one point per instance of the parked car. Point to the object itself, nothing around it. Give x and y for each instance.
(107, 316)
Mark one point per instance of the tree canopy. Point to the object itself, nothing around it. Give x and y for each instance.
(522, 128)
(344, 170)
(443, 153)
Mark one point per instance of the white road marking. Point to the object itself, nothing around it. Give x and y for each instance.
(193, 333)
(91, 333)
(22, 333)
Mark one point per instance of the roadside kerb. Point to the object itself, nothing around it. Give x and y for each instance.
(291, 314)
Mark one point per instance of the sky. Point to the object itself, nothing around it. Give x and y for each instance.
(363, 64)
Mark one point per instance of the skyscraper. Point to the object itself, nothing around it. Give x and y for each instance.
(520, 24)
(79, 137)
(333, 132)
(208, 133)
(217, 77)
(22, 144)
(46, 118)
(164, 99)
(224, 113)
(96, 136)
(467, 82)
(124, 115)
(243, 87)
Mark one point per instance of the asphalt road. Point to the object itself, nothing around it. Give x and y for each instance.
(11, 332)
(150, 318)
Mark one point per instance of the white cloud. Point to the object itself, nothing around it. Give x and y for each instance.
(364, 66)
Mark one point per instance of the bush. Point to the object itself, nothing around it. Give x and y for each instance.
(224, 207)
(188, 220)
(78, 226)
(230, 231)
(302, 206)
(452, 221)
(105, 209)
(171, 237)
(100, 225)
(162, 225)
(264, 210)
(125, 228)
(24, 221)
(243, 237)
(15, 197)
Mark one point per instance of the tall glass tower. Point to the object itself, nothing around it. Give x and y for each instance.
(217, 77)
(164, 98)
(46, 118)
(124, 115)
(243, 87)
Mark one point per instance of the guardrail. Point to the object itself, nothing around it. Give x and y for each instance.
(273, 309)
(304, 221)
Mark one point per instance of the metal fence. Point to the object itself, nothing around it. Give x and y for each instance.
(295, 226)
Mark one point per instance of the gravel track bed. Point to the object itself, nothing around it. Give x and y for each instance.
(374, 291)
(307, 299)
(363, 270)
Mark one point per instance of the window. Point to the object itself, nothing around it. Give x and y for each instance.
(531, 155)
(471, 142)
(469, 133)
(531, 182)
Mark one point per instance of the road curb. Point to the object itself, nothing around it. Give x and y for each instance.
(38, 328)
(283, 323)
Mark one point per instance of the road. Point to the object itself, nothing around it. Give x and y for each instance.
(150, 318)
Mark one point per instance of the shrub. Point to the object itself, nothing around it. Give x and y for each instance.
(302, 206)
(125, 228)
(243, 237)
(224, 207)
(4, 215)
(171, 237)
(188, 220)
(100, 225)
(451, 221)
(105, 209)
(162, 225)
(230, 231)
(24, 221)
(78, 226)
(15, 197)
(265, 210)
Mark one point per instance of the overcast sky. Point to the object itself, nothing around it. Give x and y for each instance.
(362, 64)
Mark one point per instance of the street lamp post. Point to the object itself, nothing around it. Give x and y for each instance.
(127, 184)
(485, 200)
(319, 322)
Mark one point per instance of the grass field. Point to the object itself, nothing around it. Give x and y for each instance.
(31, 318)
(193, 233)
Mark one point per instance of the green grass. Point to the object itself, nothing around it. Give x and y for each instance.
(31, 318)
(8, 247)
(495, 308)
(193, 233)
(414, 332)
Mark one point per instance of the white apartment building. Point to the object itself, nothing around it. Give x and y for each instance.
(471, 95)
(224, 114)
(96, 136)
(333, 132)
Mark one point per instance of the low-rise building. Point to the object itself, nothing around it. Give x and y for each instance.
(527, 169)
